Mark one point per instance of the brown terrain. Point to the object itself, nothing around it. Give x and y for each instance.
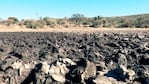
(74, 56)
(80, 30)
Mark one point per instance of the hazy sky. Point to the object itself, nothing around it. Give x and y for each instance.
(62, 8)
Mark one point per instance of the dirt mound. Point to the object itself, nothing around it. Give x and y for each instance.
(68, 58)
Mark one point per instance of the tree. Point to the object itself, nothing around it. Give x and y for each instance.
(78, 18)
(98, 18)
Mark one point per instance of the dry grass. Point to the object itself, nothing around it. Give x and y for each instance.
(77, 30)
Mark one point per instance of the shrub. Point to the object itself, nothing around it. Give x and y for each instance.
(144, 23)
(95, 24)
(99, 23)
(79, 20)
(33, 24)
(12, 20)
(38, 24)
(63, 22)
(50, 21)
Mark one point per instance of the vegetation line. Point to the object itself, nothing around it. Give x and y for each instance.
(79, 20)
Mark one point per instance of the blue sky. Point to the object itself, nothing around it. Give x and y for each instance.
(61, 8)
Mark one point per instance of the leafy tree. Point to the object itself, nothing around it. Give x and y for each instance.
(98, 18)
(78, 18)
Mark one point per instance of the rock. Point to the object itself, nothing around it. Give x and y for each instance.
(131, 75)
(5, 48)
(29, 65)
(122, 60)
(58, 71)
(74, 75)
(58, 78)
(124, 51)
(39, 78)
(45, 67)
(135, 82)
(125, 39)
(106, 80)
(2, 83)
(140, 36)
(23, 68)
(144, 60)
(147, 81)
(1, 50)
(113, 44)
(67, 61)
(2, 80)
(100, 57)
(62, 51)
(101, 66)
(17, 65)
(39, 81)
(109, 58)
(111, 65)
(90, 71)
(82, 72)
(8, 61)
(48, 80)
(126, 74)
(121, 73)
(16, 54)
(145, 46)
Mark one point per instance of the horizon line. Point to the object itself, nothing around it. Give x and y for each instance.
(38, 17)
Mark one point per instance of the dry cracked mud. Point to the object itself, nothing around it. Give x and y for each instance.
(74, 58)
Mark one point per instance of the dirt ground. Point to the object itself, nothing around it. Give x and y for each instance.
(78, 30)
(74, 56)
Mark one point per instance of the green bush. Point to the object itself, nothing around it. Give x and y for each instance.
(50, 21)
(10, 21)
(38, 24)
(95, 24)
(79, 20)
(33, 24)
(63, 23)
(144, 23)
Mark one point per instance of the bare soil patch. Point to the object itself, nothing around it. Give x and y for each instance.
(78, 30)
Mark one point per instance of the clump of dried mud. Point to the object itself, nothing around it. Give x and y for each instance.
(93, 58)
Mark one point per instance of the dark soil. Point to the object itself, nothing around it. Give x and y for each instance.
(130, 50)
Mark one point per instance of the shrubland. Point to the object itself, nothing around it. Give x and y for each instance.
(80, 20)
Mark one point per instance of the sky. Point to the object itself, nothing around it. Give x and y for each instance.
(60, 8)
